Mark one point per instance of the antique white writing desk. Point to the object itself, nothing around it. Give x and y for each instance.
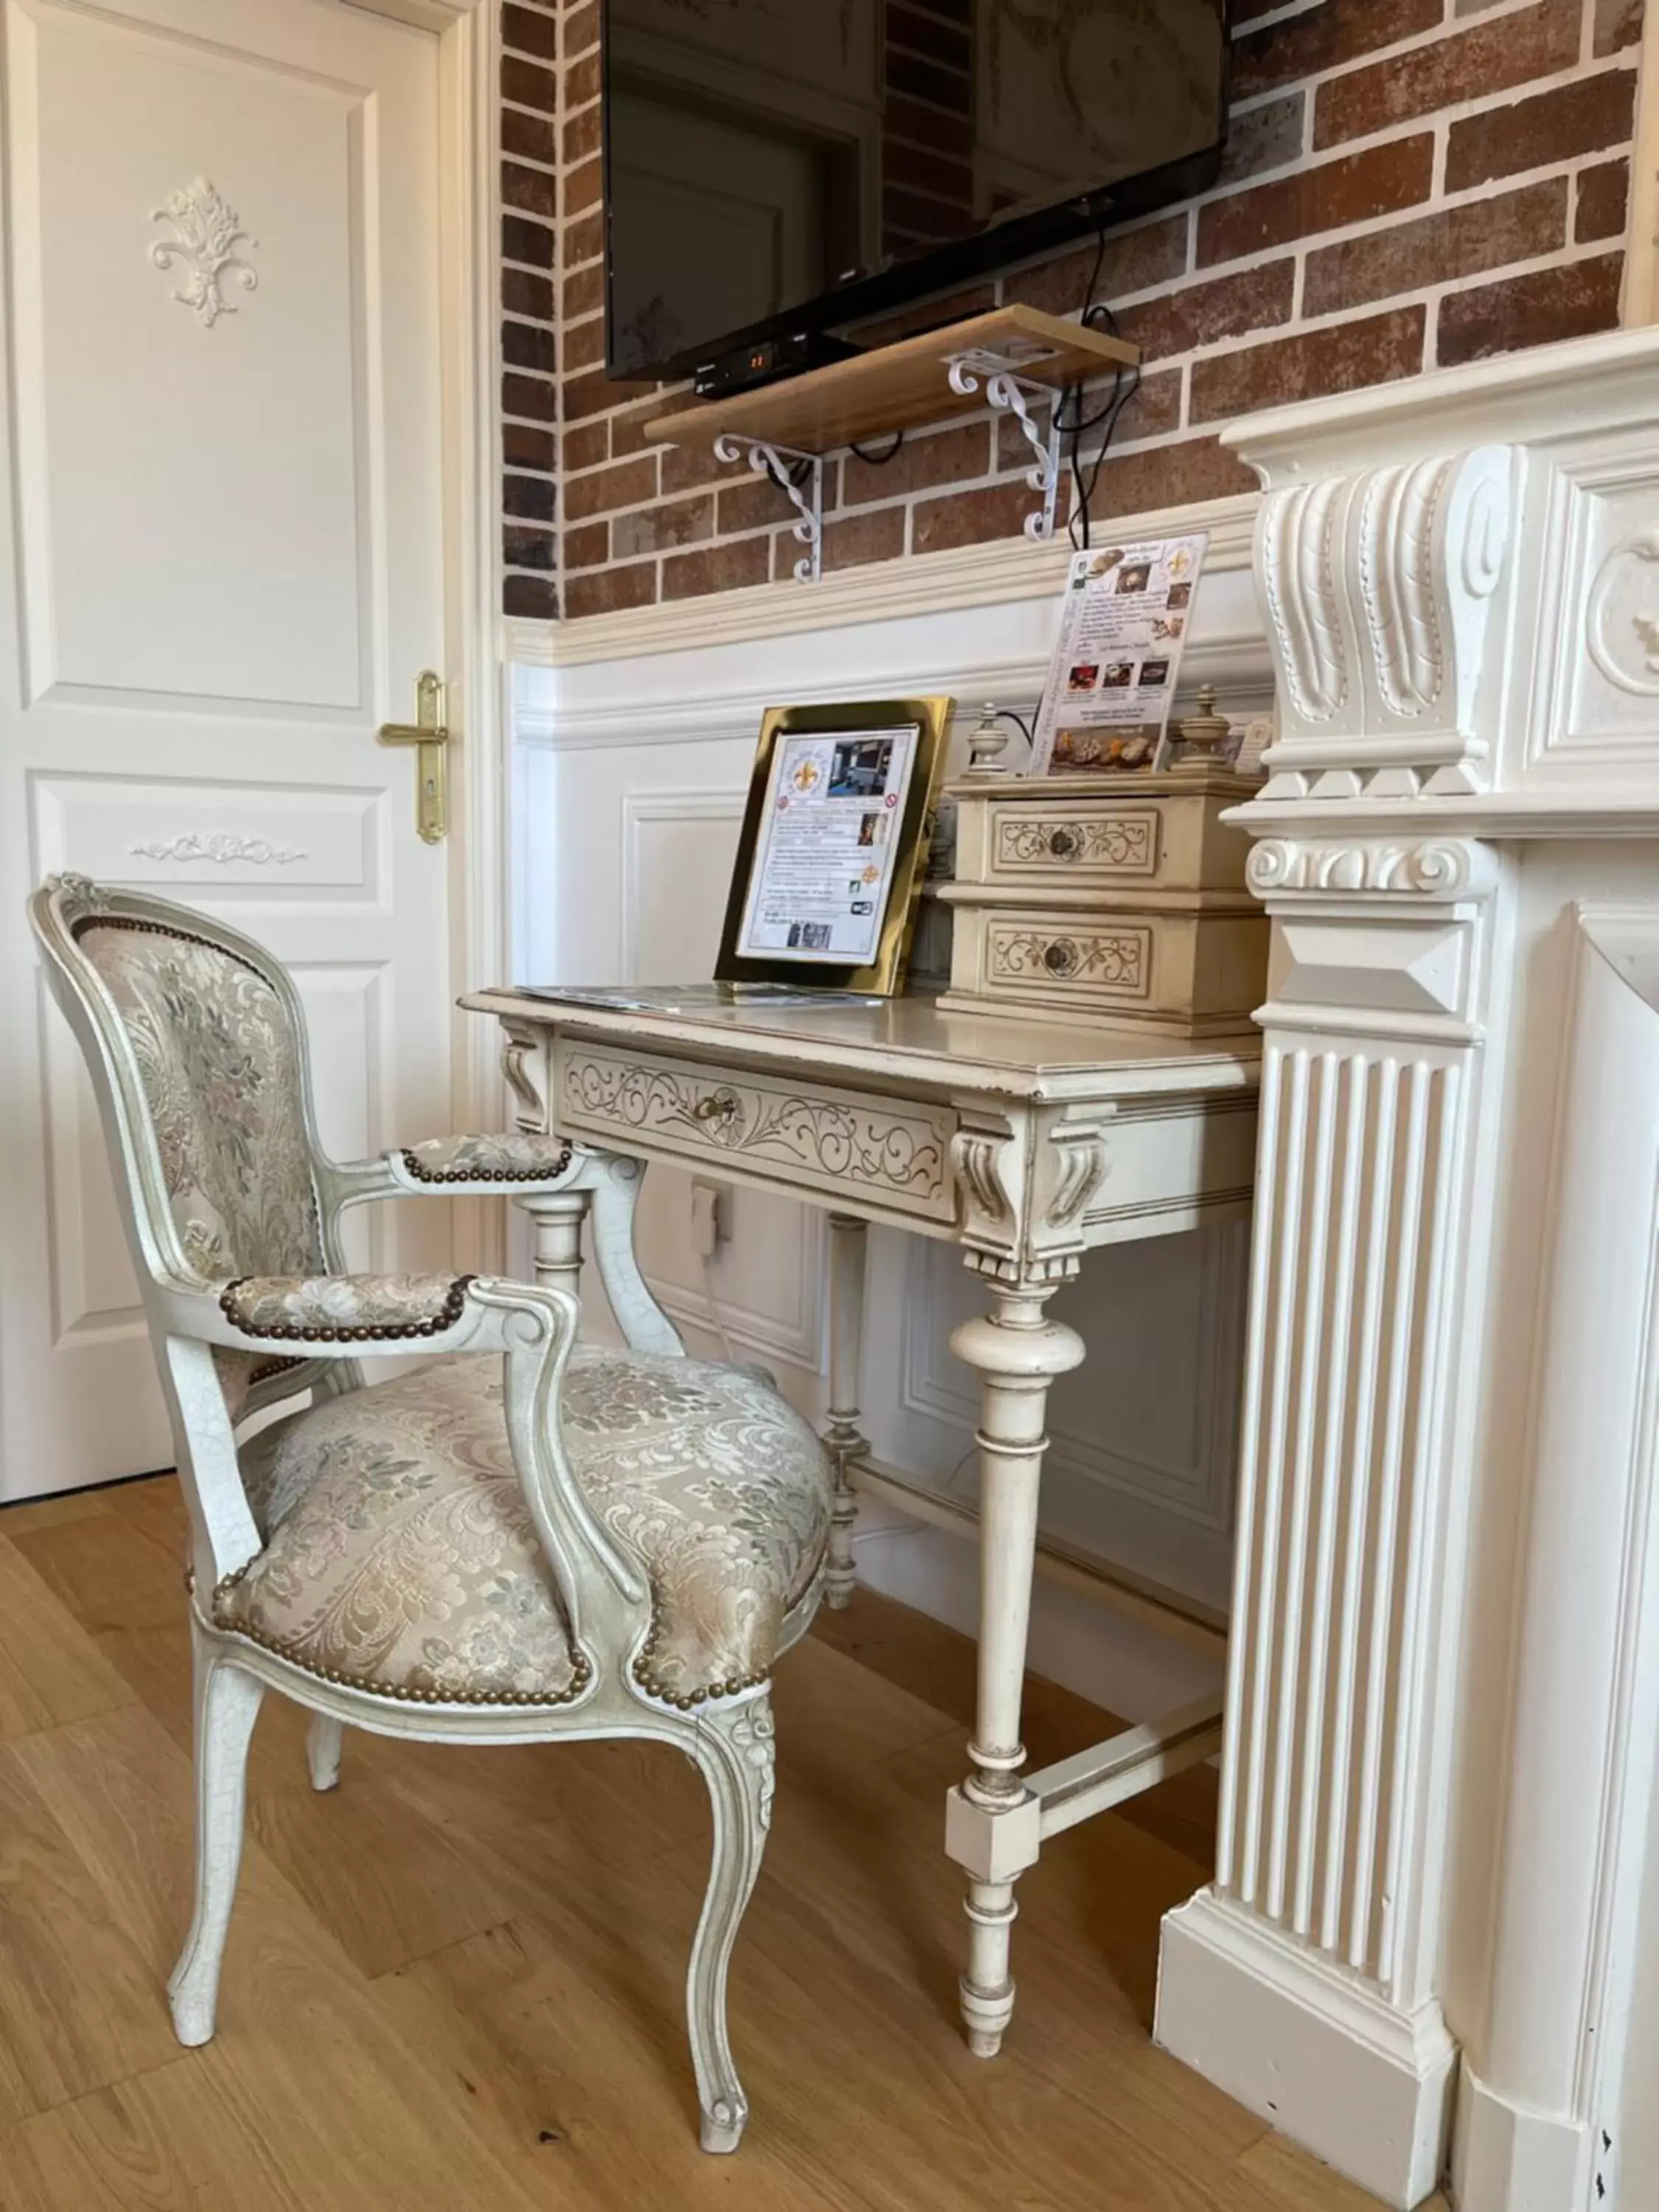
(1026, 1145)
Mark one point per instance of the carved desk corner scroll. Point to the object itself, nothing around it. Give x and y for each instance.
(524, 1049)
(1379, 590)
(1024, 1181)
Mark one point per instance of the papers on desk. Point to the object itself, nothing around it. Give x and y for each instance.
(687, 998)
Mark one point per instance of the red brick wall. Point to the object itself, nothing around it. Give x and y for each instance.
(1410, 183)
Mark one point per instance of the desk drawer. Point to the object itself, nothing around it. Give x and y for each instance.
(777, 1130)
(1081, 843)
(1194, 974)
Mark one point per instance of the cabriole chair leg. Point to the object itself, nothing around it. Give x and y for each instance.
(322, 1751)
(227, 1705)
(734, 1749)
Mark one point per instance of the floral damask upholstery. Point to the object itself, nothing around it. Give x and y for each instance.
(400, 1554)
(335, 1307)
(511, 1157)
(219, 1066)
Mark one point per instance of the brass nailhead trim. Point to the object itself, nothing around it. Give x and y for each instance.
(682, 1701)
(582, 1667)
(421, 1173)
(267, 1368)
(363, 1333)
(78, 930)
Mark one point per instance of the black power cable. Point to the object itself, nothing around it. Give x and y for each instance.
(880, 460)
(1126, 382)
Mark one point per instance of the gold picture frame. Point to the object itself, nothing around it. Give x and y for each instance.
(869, 748)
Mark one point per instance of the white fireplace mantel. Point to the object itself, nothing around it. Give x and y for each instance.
(1421, 1944)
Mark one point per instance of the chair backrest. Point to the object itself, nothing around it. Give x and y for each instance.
(196, 1044)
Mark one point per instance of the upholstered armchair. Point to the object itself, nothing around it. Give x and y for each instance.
(524, 1538)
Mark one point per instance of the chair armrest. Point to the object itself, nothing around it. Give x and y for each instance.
(336, 1316)
(451, 1167)
(603, 1590)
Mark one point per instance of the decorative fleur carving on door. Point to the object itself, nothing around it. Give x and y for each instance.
(207, 233)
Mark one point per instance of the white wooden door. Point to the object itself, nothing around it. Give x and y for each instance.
(223, 570)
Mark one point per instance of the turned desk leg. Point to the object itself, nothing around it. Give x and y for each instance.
(992, 1820)
(848, 1244)
(558, 1219)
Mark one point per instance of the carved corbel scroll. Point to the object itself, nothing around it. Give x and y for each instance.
(524, 1048)
(1434, 869)
(1380, 592)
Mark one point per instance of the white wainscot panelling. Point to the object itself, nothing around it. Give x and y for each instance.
(118, 135)
(235, 843)
(677, 853)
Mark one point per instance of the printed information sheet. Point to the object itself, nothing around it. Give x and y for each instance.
(820, 879)
(1111, 682)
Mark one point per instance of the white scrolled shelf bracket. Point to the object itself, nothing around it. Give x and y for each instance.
(1009, 392)
(775, 461)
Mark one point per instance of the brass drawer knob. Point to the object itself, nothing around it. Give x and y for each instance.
(1059, 957)
(718, 1106)
(1065, 844)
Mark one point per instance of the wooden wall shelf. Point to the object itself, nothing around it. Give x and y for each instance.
(898, 386)
(1016, 356)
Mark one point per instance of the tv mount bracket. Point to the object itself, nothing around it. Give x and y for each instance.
(806, 493)
(1009, 391)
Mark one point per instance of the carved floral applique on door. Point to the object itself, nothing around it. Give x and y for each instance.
(207, 233)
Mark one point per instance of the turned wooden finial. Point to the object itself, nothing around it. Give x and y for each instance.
(1203, 735)
(987, 743)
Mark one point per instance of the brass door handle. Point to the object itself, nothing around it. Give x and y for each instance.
(429, 734)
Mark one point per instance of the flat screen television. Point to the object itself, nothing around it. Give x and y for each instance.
(782, 170)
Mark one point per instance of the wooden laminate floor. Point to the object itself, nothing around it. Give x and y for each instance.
(456, 1982)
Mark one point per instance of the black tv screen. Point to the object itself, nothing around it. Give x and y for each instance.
(778, 166)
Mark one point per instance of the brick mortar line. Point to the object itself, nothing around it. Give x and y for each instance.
(1436, 202)
(1429, 296)
(998, 478)
(1570, 253)
(1300, 250)
(1448, 29)
(1625, 62)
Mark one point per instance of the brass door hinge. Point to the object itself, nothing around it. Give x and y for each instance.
(430, 735)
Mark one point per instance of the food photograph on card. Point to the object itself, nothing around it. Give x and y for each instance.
(1106, 705)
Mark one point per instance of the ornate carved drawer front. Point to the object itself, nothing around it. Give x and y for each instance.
(1197, 974)
(893, 1151)
(1117, 844)
(1096, 961)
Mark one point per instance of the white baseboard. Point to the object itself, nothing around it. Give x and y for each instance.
(1511, 2158)
(1084, 1646)
(1313, 2050)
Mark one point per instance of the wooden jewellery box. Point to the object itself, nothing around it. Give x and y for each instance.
(1106, 899)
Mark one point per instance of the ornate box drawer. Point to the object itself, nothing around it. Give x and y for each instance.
(1198, 974)
(896, 1150)
(1163, 833)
